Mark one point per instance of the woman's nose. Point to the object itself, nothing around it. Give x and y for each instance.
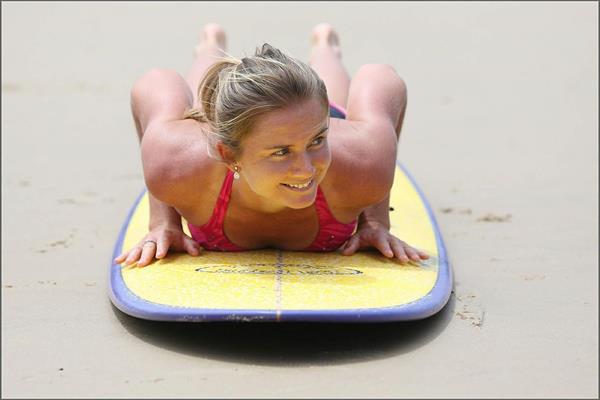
(303, 166)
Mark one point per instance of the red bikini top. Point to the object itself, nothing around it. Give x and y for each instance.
(332, 233)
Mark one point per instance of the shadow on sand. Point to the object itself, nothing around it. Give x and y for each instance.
(292, 343)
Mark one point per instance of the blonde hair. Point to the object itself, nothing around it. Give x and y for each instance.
(235, 92)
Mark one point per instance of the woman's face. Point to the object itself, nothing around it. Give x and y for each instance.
(287, 147)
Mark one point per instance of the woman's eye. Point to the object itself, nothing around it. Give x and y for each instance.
(281, 152)
(318, 141)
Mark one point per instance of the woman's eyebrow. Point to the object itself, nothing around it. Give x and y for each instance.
(288, 145)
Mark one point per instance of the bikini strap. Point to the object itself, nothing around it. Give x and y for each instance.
(321, 207)
(218, 215)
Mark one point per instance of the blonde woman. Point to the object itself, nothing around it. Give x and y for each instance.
(248, 153)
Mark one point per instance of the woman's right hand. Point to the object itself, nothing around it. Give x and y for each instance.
(156, 244)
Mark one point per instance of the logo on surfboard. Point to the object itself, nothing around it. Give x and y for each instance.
(278, 269)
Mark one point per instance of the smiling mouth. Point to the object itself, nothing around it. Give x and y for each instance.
(302, 186)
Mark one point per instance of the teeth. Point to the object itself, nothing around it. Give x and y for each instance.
(301, 186)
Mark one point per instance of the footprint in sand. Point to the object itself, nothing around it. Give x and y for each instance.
(471, 310)
(494, 218)
(62, 243)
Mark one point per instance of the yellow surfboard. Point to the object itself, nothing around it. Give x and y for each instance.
(274, 285)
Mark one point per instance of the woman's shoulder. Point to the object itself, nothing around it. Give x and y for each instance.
(358, 176)
(177, 167)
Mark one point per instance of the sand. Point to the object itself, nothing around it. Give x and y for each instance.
(501, 134)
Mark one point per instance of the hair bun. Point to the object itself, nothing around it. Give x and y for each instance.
(268, 51)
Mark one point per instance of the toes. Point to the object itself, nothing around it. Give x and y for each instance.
(323, 27)
(214, 33)
(213, 29)
(324, 33)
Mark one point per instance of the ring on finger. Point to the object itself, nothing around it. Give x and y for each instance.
(150, 241)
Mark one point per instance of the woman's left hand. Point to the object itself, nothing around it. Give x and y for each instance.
(375, 235)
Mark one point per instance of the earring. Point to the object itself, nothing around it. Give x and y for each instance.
(236, 174)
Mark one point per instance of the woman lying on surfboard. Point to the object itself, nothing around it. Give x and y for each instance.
(259, 153)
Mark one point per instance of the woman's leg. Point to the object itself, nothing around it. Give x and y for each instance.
(213, 44)
(326, 60)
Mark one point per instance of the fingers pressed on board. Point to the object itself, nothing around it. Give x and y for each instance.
(163, 248)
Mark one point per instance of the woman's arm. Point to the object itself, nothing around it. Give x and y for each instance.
(377, 214)
(374, 231)
(158, 101)
(377, 103)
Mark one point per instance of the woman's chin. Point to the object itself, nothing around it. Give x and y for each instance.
(299, 199)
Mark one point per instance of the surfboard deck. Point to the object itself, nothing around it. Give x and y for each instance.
(274, 285)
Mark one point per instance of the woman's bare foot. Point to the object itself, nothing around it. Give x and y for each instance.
(213, 35)
(325, 35)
